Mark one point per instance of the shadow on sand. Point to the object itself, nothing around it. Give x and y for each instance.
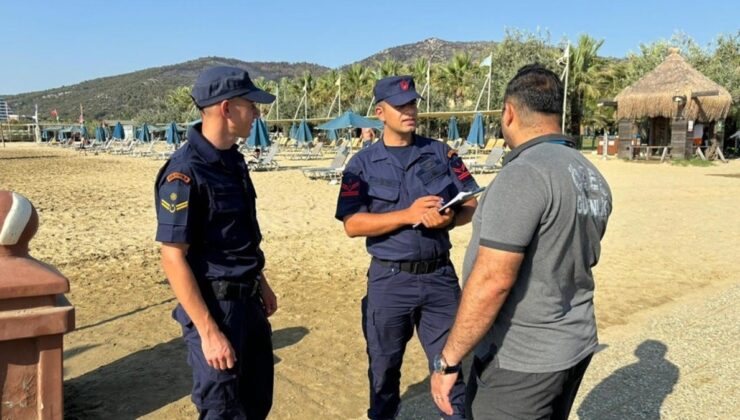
(634, 391)
(142, 382)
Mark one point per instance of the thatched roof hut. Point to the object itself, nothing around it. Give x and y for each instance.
(654, 95)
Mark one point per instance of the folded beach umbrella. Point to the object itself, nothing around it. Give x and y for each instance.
(118, 132)
(143, 134)
(171, 134)
(452, 132)
(100, 134)
(293, 131)
(83, 132)
(476, 137)
(259, 137)
(303, 133)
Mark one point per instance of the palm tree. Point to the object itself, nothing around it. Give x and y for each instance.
(455, 76)
(389, 67)
(357, 86)
(584, 76)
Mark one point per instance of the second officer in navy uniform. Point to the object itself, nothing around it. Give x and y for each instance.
(207, 224)
(386, 189)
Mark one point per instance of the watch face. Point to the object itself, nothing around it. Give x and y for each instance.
(439, 364)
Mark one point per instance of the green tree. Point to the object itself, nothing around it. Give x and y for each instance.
(583, 81)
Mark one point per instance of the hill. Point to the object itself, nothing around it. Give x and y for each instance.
(122, 96)
(439, 49)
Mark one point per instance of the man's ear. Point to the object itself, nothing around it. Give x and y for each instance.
(508, 115)
(223, 108)
(379, 112)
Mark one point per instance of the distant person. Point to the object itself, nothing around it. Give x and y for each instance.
(367, 136)
(527, 304)
(386, 189)
(255, 157)
(207, 224)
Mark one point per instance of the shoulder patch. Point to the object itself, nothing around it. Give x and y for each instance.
(178, 176)
(350, 186)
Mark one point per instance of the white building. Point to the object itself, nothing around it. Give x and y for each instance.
(4, 110)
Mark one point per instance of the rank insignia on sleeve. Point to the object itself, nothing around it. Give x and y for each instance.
(178, 176)
(350, 186)
(173, 207)
(459, 168)
(173, 202)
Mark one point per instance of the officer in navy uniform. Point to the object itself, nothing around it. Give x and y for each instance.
(387, 188)
(207, 224)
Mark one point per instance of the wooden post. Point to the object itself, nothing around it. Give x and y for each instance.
(679, 138)
(627, 133)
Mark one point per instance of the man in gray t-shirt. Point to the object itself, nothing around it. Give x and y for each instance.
(527, 305)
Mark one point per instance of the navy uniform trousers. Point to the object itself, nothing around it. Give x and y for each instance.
(396, 302)
(245, 391)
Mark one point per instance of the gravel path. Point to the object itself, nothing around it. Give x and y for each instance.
(678, 361)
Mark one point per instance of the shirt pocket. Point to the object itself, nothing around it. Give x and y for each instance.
(437, 181)
(228, 199)
(383, 194)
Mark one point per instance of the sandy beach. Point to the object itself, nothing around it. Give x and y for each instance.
(667, 282)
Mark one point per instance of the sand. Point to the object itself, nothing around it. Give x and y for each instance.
(671, 245)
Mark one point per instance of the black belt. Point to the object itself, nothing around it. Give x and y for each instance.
(230, 290)
(416, 267)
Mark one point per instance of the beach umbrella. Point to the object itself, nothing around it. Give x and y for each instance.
(118, 132)
(143, 134)
(259, 137)
(100, 134)
(350, 120)
(452, 132)
(293, 131)
(303, 133)
(332, 135)
(83, 132)
(476, 137)
(171, 134)
(192, 123)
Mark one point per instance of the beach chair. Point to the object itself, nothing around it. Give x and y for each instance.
(334, 170)
(309, 152)
(492, 163)
(267, 161)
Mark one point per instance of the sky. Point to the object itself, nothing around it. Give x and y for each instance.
(49, 44)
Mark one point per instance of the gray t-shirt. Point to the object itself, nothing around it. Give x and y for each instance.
(551, 204)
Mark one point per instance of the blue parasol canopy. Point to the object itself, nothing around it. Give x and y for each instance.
(332, 135)
(118, 132)
(259, 137)
(100, 134)
(293, 131)
(303, 133)
(350, 120)
(477, 137)
(143, 134)
(172, 134)
(452, 132)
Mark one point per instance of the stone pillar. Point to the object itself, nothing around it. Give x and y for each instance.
(34, 315)
(681, 141)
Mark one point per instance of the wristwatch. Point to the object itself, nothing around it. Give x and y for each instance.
(440, 366)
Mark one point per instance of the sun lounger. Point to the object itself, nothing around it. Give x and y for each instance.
(334, 170)
(492, 163)
(267, 161)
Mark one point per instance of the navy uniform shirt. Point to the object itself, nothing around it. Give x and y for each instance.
(375, 182)
(205, 198)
